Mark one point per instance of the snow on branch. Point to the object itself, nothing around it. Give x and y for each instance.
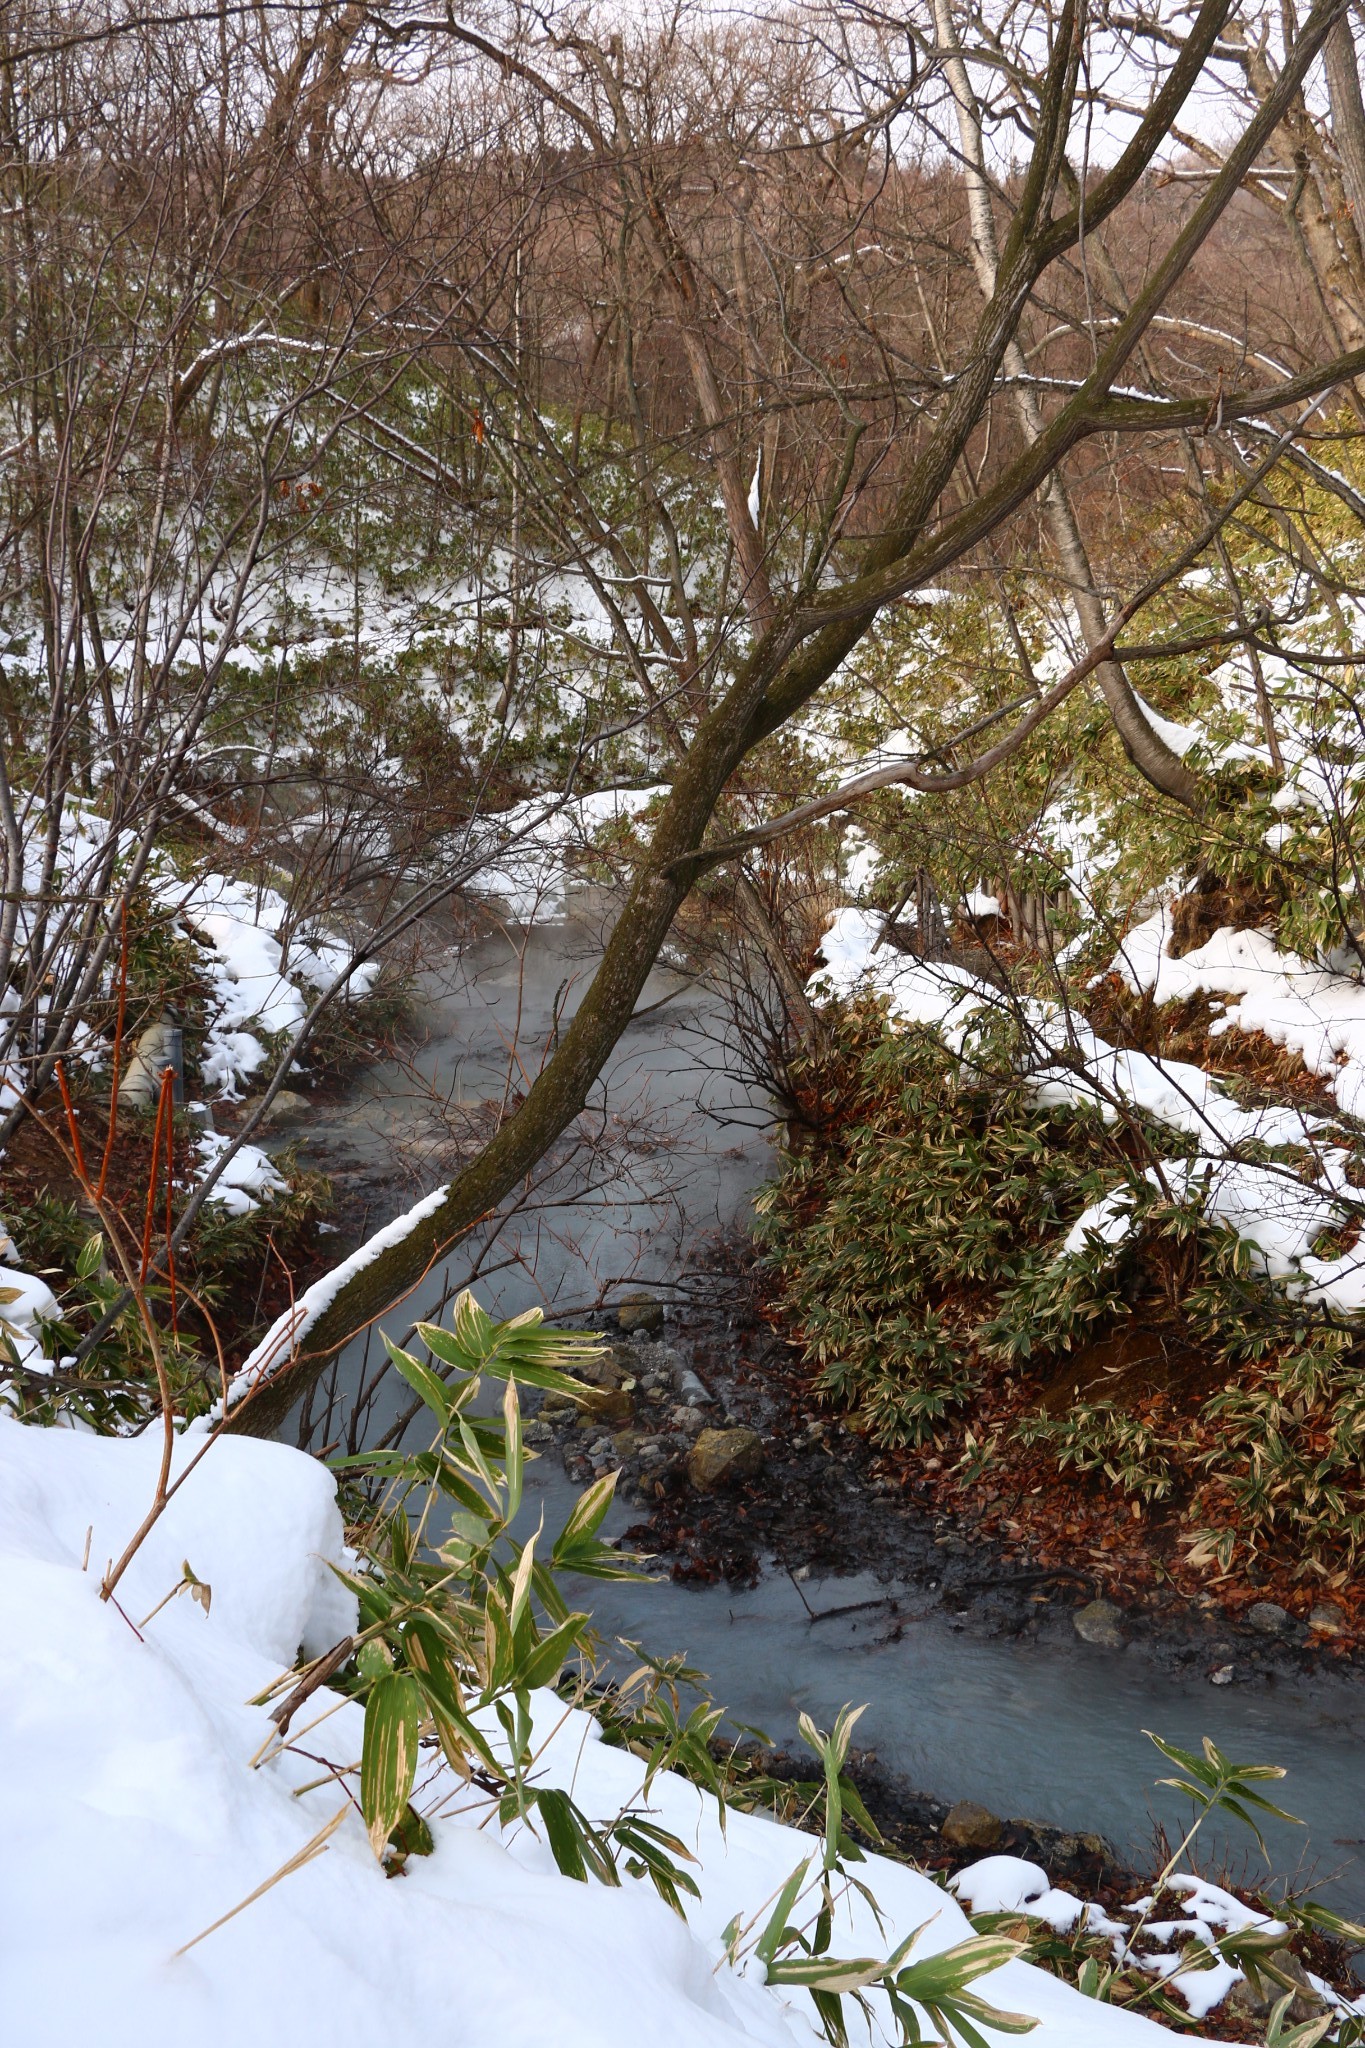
(281, 1341)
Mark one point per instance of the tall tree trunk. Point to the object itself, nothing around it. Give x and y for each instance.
(1144, 746)
(1348, 118)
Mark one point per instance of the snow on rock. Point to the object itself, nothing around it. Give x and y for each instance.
(1315, 1013)
(134, 1818)
(1000, 1884)
(247, 1177)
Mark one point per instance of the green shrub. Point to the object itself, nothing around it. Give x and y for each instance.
(914, 1243)
(927, 1198)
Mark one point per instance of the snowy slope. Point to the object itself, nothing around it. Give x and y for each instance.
(1280, 1214)
(131, 1819)
(1310, 1010)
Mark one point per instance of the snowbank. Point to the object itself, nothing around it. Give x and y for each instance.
(1280, 1217)
(917, 991)
(1279, 1214)
(250, 981)
(26, 1302)
(1068, 1061)
(1317, 1014)
(131, 1818)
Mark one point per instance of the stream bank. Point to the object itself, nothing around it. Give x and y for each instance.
(826, 1503)
(807, 1587)
(815, 1582)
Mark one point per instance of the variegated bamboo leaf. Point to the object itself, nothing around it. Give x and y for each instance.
(388, 1758)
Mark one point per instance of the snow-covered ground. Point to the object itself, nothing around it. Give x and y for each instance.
(254, 990)
(1310, 1010)
(530, 847)
(255, 993)
(132, 1816)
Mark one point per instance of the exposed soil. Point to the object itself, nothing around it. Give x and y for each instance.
(1255, 1068)
(40, 1166)
(1124, 1364)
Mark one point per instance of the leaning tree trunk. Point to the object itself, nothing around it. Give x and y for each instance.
(561, 1090)
(793, 657)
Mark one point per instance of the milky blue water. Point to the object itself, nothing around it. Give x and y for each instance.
(1029, 1728)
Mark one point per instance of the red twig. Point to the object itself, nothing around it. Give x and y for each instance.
(118, 1053)
(163, 1100)
(72, 1126)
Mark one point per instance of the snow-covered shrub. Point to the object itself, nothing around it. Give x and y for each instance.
(948, 1247)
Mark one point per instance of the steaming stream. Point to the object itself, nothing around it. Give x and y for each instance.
(1029, 1728)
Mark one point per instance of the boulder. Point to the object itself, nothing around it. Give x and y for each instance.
(289, 1106)
(720, 1457)
(969, 1826)
(1099, 1621)
(605, 1404)
(640, 1313)
(606, 1371)
(689, 1419)
(1071, 1848)
(1327, 1619)
(1259, 1993)
(692, 1391)
(1269, 1619)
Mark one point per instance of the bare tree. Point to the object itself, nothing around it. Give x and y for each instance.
(680, 139)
